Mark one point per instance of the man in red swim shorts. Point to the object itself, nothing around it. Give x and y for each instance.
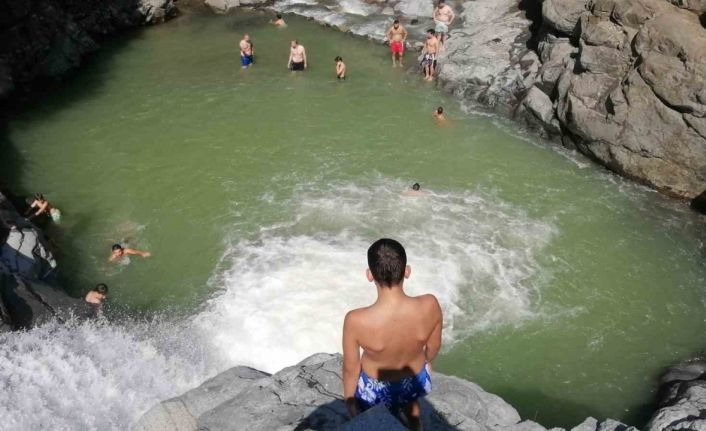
(397, 35)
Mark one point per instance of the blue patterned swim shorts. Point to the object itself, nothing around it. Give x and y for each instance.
(394, 394)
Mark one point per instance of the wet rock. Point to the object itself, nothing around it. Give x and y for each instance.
(682, 399)
(540, 109)
(222, 6)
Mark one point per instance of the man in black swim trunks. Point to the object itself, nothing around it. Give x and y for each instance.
(297, 57)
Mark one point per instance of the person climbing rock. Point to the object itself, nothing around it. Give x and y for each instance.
(399, 335)
(41, 206)
(95, 297)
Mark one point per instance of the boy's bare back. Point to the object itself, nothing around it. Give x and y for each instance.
(394, 335)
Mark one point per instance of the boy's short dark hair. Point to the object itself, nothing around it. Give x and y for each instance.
(387, 261)
(431, 31)
(396, 21)
(440, 109)
(279, 16)
(416, 186)
(116, 247)
(101, 288)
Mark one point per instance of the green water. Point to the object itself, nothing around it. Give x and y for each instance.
(571, 288)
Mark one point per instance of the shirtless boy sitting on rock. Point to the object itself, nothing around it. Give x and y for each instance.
(400, 336)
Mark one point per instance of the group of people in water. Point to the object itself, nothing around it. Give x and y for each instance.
(39, 207)
(396, 35)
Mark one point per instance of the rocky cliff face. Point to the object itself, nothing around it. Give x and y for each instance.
(47, 38)
(622, 81)
(28, 296)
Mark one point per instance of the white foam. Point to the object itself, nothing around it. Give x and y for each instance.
(285, 292)
(281, 295)
(357, 7)
(95, 375)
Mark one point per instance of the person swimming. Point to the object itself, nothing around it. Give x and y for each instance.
(439, 114)
(340, 68)
(95, 297)
(118, 252)
(279, 21)
(41, 206)
(415, 190)
(399, 336)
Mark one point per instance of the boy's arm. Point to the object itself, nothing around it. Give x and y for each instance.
(41, 209)
(137, 252)
(351, 364)
(433, 345)
(304, 54)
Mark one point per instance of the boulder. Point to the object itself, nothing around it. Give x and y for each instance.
(222, 6)
(563, 15)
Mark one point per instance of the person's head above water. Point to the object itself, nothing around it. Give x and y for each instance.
(430, 33)
(416, 187)
(337, 59)
(279, 16)
(295, 43)
(387, 263)
(440, 110)
(101, 288)
(117, 249)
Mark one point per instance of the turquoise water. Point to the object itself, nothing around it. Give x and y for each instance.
(565, 289)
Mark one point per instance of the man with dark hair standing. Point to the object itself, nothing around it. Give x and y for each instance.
(397, 35)
(400, 336)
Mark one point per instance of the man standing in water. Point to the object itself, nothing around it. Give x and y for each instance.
(246, 52)
(297, 57)
(400, 336)
(443, 17)
(429, 52)
(397, 35)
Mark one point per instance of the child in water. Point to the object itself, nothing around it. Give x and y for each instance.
(278, 21)
(439, 114)
(42, 206)
(340, 68)
(94, 299)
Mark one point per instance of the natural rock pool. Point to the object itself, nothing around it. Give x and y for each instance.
(565, 289)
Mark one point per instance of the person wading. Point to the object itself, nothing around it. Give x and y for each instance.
(399, 335)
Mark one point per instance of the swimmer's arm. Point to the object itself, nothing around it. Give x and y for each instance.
(289, 62)
(433, 345)
(351, 363)
(42, 208)
(388, 35)
(131, 251)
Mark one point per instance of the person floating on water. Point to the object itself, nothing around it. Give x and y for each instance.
(297, 57)
(119, 252)
(279, 21)
(400, 336)
(429, 52)
(443, 17)
(397, 35)
(247, 51)
(41, 206)
(95, 298)
(439, 114)
(415, 190)
(340, 68)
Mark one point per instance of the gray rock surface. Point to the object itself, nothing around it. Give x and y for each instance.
(627, 87)
(48, 38)
(682, 400)
(27, 268)
(308, 396)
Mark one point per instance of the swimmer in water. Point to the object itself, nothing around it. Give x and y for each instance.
(415, 190)
(41, 206)
(439, 114)
(95, 298)
(119, 252)
(279, 22)
(340, 68)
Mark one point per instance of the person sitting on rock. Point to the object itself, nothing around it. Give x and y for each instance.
(95, 297)
(279, 21)
(400, 336)
(42, 206)
(119, 252)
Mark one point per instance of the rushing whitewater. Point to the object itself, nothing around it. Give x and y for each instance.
(281, 296)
